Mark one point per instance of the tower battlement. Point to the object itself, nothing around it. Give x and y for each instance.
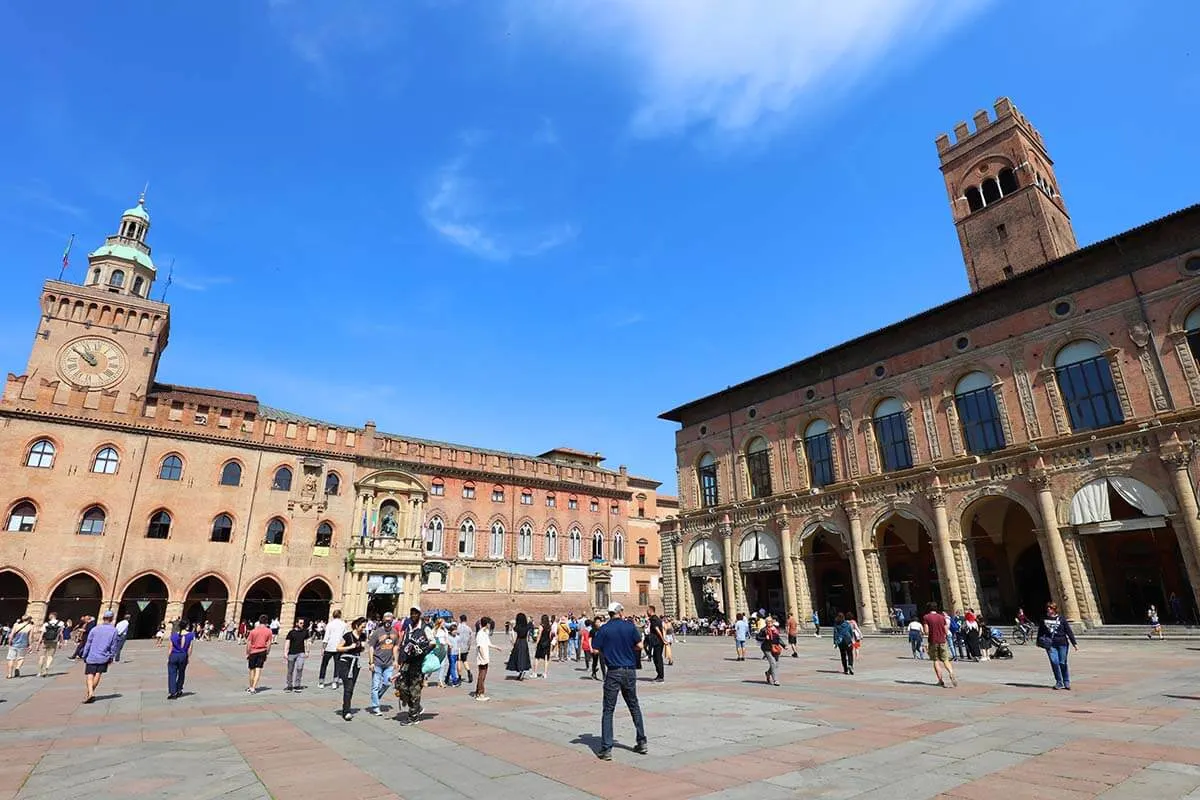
(1003, 109)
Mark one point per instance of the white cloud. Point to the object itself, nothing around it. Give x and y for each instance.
(324, 34)
(737, 66)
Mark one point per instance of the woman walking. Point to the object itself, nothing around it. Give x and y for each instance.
(518, 659)
(18, 645)
(541, 657)
(177, 660)
(772, 647)
(843, 640)
(598, 657)
(668, 641)
(347, 666)
(1053, 636)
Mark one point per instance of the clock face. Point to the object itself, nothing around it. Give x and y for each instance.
(92, 362)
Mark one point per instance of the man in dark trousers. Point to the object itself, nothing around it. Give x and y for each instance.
(619, 641)
(656, 643)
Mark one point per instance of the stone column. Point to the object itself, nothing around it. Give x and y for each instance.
(1058, 552)
(803, 589)
(944, 552)
(858, 560)
(725, 530)
(174, 611)
(680, 593)
(1189, 538)
(37, 610)
(788, 568)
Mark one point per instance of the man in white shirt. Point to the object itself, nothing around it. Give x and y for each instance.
(462, 644)
(334, 631)
(122, 634)
(483, 656)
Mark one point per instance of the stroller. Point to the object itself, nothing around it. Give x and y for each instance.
(995, 642)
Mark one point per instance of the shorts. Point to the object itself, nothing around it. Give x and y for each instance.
(791, 638)
(15, 653)
(95, 669)
(938, 652)
(256, 660)
(739, 643)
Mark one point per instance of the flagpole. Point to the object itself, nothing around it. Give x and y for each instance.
(170, 274)
(66, 257)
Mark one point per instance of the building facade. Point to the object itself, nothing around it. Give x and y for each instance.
(1033, 439)
(119, 490)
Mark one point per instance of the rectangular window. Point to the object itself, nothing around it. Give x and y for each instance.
(819, 451)
(526, 499)
(642, 554)
(643, 594)
(980, 418)
(708, 486)
(573, 504)
(469, 492)
(437, 490)
(1089, 394)
(497, 495)
(759, 466)
(892, 433)
(1002, 232)
(593, 506)
(551, 502)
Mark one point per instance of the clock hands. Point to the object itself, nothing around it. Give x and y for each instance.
(88, 357)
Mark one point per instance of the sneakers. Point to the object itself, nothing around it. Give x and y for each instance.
(347, 717)
(604, 755)
(375, 712)
(641, 749)
(483, 698)
(287, 688)
(250, 690)
(795, 655)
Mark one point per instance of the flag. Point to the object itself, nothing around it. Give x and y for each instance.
(374, 520)
(364, 525)
(66, 259)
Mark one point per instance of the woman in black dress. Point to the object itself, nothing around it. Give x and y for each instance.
(542, 654)
(518, 660)
(347, 667)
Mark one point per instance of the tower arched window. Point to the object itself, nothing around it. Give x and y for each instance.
(171, 468)
(618, 548)
(434, 533)
(758, 465)
(22, 518)
(1191, 325)
(333, 484)
(95, 276)
(138, 282)
(551, 552)
(160, 526)
(324, 535)
(974, 198)
(41, 455)
(1008, 181)
(92, 523)
(575, 545)
(991, 191)
(222, 528)
(496, 546)
(466, 538)
(597, 546)
(231, 474)
(891, 432)
(1085, 379)
(116, 279)
(707, 474)
(275, 531)
(106, 461)
(978, 413)
(282, 482)
(818, 449)
(525, 542)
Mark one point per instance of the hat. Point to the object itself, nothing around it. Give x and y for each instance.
(107, 614)
(414, 608)
(615, 608)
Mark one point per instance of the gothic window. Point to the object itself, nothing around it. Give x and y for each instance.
(707, 473)
(1008, 181)
(551, 501)
(818, 450)
(469, 491)
(758, 464)
(438, 487)
(222, 528)
(41, 455)
(497, 494)
(433, 536)
(92, 523)
(618, 548)
(551, 553)
(466, 538)
(282, 482)
(974, 198)
(116, 279)
(137, 286)
(597, 546)
(1085, 379)
(22, 518)
(891, 431)
(1192, 326)
(526, 497)
(106, 461)
(231, 474)
(496, 548)
(160, 526)
(324, 535)
(333, 484)
(171, 468)
(575, 545)
(979, 413)
(274, 535)
(525, 542)
(991, 190)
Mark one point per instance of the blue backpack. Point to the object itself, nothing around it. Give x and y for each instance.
(954, 627)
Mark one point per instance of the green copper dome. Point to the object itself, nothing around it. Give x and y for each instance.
(138, 211)
(126, 252)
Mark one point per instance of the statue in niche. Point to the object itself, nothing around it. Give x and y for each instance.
(310, 483)
(388, 527)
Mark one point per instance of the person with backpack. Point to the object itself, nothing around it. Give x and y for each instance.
(954, 640)
(52, 635)
(843, 640)
(573, 641)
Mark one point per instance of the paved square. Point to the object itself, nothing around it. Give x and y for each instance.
(1129, 729)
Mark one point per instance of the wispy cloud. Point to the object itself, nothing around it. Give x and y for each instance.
(735, 68)
(546, 133)
(323, 34)
(40, 195)
(198, 283)
(625, 320)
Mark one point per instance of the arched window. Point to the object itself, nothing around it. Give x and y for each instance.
(1085, 379)
(573, 502)
(575, 545)
(274, 534)
(95, 276)
(527, 497)
(116, 279)
(979, 413)
(618, 548)
(137, 286)
(641, 505)
(525, 542)
(434, 533)
(614, 509)
(41, 455)
(991, 190)
(222, 528)
(597, 546)
(891, 430)
(22, 518)
(469, 490)
(92, 523)
(466, 538)
(160, 526)
(707, 473)
(551, 500)
(333, 484)
(594, 505)
(758, 464)
(171, 468)
(106, 461)
(551, 552)
(282, 482)
(496, 546)
(437, 487)
(1192, 326)
(818, 449)
(974, 198)
(231, 474)
(1008, 181)
(497, 494)
(324, 535)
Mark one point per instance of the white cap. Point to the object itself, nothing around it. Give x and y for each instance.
(615, 608)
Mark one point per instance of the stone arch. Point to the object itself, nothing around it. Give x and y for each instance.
(315, 599)
(212, 573)
(913, 509)
(879, 395)
(34, 589)
(463, 517)
(75, 606)
(497, 517)
(1163, 490)
(271, 575)
(193, 601)
(171, 591)
(58, 580)
(1009, 492)
(1073, 335)
(1188, 300)
(807, 530)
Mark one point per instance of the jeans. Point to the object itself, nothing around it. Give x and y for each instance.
(656, 653)
(572, 650)
(176, 672)
(1058, 663)
(598, 662)
(381, 679)
(120, 647)
(847, 652)
(620, 681)
(295, 670)
(952, 643)
(326, 657)
(452, 678)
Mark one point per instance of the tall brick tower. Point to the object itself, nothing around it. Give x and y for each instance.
(1003, 196)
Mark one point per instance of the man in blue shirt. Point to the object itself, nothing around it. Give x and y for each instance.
(619, 641)
(99, 648)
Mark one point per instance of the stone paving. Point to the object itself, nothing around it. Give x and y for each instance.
(1128, 729)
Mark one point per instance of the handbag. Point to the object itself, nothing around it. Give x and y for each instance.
(776, 649)
(431, 663)
(1044, 642)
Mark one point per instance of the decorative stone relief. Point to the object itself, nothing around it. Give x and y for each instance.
(850, 440)
(910, 429)
(1139, 334)
(1050, 381)
(1033, 429)
(956, 437)
(1002, 407)
(784, 472)
(868, 432)
(935, 446)
(801, 462)
(1187, 363)
(1114, 361)
(742, 475)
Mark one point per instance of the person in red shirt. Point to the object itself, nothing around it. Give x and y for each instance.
(793, 628)
(937, 627)
(258, 644)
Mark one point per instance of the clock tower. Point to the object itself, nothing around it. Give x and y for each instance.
(105, 335)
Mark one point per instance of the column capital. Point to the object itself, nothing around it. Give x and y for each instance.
(1040, 481)
(1177, 458)
(936, 498)
(853, 511)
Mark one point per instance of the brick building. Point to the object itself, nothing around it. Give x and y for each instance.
(120, 490)
(1032, 439)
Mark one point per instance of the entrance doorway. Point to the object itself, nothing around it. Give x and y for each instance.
(829, 577)
(1009, 570)
(207, 601)
(315, 598)
(602, 594)
(14, 597)
(145, 602)
(75, 597)
(909, 566)
(762, 583)
(704, 578)
(263, 597)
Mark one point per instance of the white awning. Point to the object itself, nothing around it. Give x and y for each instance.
(1090, 504)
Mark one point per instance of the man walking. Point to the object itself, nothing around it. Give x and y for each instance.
(98, 651)
(416, 642)
(657, 642)
(792, 629)
(258, 645)
(619, 642)
(334, 632)
(297, 651)
(936, 628)
(483, 656)
(122, 634)
(52, 635)
(381, 655)
(463, 644)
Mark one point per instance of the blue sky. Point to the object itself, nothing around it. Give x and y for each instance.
(528, 224)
